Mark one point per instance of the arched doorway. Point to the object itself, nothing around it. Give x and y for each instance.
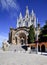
(43, 48)
(22, 41)
(38, 48)
(22, 38)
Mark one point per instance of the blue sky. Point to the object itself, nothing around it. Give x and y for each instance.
(10, 9)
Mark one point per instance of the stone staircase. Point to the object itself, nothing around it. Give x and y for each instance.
(16, 48)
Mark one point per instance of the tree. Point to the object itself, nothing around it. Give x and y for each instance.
(43, 34)
(31, 36)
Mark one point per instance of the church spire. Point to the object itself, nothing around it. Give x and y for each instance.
(27, 11)
(32, 13)
(38, 24)
(20, 16)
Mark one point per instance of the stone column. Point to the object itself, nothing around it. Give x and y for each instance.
(18, 40)
(26, 40)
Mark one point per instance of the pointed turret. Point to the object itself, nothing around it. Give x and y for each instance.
(27, 11)
(32, 13)
(20, 16)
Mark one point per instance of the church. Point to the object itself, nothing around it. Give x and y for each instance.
(20, 34)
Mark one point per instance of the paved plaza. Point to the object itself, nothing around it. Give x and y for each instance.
(20, 58)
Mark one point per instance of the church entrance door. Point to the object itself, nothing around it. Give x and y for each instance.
(22, 41)
(22, 38)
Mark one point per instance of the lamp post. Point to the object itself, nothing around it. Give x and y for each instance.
(37, 34)
(37, 41)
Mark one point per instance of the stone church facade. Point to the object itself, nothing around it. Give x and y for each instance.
(20, 34)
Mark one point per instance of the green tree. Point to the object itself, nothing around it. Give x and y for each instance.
(43, 34)
(31, 36)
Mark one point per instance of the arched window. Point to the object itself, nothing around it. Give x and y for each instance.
(32, 21)
(19, 24)
(26, 23)
(43, 48)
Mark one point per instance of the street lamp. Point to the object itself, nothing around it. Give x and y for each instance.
(37, 34)
(37, 41)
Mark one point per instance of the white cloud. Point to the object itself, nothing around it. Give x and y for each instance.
(7, 4)
(11, 6)
(2, 38)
